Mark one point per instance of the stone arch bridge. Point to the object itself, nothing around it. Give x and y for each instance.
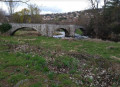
(46, 29)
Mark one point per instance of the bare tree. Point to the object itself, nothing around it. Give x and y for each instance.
(2, 15)
(15, 1)
(12, 4)
(105, 2)
(35, 13)
(95, 16)
(95, 3)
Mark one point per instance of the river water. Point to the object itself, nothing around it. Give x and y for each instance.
(77, 36)
(60, 36)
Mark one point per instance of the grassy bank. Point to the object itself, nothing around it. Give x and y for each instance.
(32, 61)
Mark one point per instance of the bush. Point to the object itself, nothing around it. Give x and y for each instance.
(5, 27)
(115, 27)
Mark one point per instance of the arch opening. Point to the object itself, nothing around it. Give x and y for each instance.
(60, 32)
(25, 31)
(80, 31)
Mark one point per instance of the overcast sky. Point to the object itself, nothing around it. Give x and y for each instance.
(55, 6)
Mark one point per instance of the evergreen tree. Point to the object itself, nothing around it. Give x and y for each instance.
(112, 11)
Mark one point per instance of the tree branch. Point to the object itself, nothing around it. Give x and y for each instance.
(15, 1)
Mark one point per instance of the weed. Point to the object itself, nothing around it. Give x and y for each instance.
(34, 64)
(51, 75)
(15, 78)
(17, 70)
(55, 85)
(66, 62)
(3, 75)
(36, 85)
(26, 72)
(64, 79)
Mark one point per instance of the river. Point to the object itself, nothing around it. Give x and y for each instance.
(77, 36)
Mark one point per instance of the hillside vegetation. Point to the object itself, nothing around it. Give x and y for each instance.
(31, 61)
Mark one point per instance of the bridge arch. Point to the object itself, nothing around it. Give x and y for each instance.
(64, 30)
(80, 30)
(21, 28)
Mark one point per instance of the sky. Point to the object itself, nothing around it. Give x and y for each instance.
(54, 6)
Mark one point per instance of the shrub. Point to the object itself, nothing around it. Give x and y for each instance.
(115, 27)
(5, 27)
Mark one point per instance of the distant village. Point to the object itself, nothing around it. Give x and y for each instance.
(70, 16)
(67, 18)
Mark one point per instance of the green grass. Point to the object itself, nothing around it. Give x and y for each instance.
(15, 78)
(37, 85)
(78, 31)
(66, 62)
(53, 62)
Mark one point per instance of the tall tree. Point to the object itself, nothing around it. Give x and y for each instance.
(95, 3)
(12, 4)
(105, 22)
(112, 11)
(30, 15)
(2, 16)
(35, 13)
(95, 17)
(25, 1)
(22, 16)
